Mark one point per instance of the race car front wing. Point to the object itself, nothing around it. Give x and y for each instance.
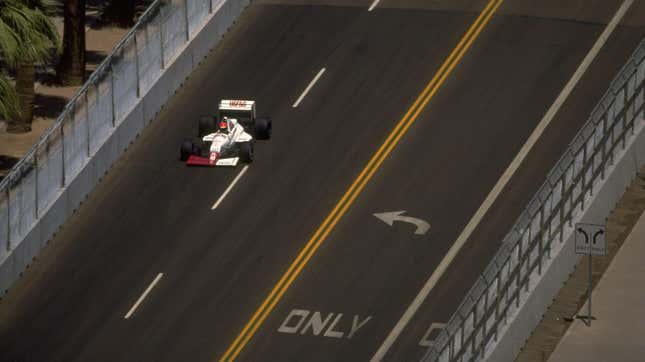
(205, 161)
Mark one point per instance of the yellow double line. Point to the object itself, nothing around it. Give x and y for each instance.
(357, 186)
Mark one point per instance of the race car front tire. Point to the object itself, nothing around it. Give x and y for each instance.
(187, 149)
(263, 128)
(207, 125)
(246, 152)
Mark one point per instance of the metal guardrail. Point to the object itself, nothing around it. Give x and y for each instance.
(97, 109)
(508, 278)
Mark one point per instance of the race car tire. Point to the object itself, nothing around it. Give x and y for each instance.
(197, 148)
(207, 125)
(246, 152)
(263, 128)
(187, 149)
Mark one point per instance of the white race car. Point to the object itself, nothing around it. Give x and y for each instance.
(229, 141)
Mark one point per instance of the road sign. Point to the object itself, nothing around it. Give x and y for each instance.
(590, 239)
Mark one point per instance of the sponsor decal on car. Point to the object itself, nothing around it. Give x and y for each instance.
(213, 157)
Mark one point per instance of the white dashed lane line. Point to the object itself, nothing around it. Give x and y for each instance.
(230, 187)
(311, 84)
(373, 5)
(143, 296)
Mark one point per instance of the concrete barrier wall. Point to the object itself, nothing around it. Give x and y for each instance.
(204, 38)
(513, 336)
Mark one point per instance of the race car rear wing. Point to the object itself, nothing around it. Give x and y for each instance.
(237, 108)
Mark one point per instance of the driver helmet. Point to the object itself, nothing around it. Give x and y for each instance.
(223, 125)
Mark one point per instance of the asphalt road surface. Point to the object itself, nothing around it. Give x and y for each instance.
(151, 214)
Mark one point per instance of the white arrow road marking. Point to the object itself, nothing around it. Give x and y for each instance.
(229, 188)
(499, 186)
(311, 84)
(392, 216)
(373, 5)
(143, 296)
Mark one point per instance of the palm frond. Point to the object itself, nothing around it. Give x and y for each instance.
(45, 27)
(9, 104)
(34, 31)
(8, 44)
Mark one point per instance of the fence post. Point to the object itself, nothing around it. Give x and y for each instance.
(8, 219)
(583, 178)
(573, 165)
(624, 118)
(528, 256)
(549, 231)
(498, 277)
(113, 96)
(147, 36)
(603, 156)
(36, 185)
(87, 121)
(163, 62)
(72, 111)
(562, 201)
(592, 166)
(473, 337)
(21, 197)
(186, 18)
(506, 291)
(136, 62)
(540, 237)
(47, 147)
(97, 98)
(62, 148)
(482, 343)
(518, 289)
(634, 112)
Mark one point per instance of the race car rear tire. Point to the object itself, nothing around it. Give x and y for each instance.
(246, 152)
(187, 149)
(263, 128)
(207, 125)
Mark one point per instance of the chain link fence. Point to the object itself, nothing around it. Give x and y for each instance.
(548, 219)
(96, 111)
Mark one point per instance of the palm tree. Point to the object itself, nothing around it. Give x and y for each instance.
(9, 106)
(35, 34)
(71, 68)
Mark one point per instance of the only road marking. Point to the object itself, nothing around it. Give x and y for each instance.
(303, 321)
(428, 338)
(359, 183)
